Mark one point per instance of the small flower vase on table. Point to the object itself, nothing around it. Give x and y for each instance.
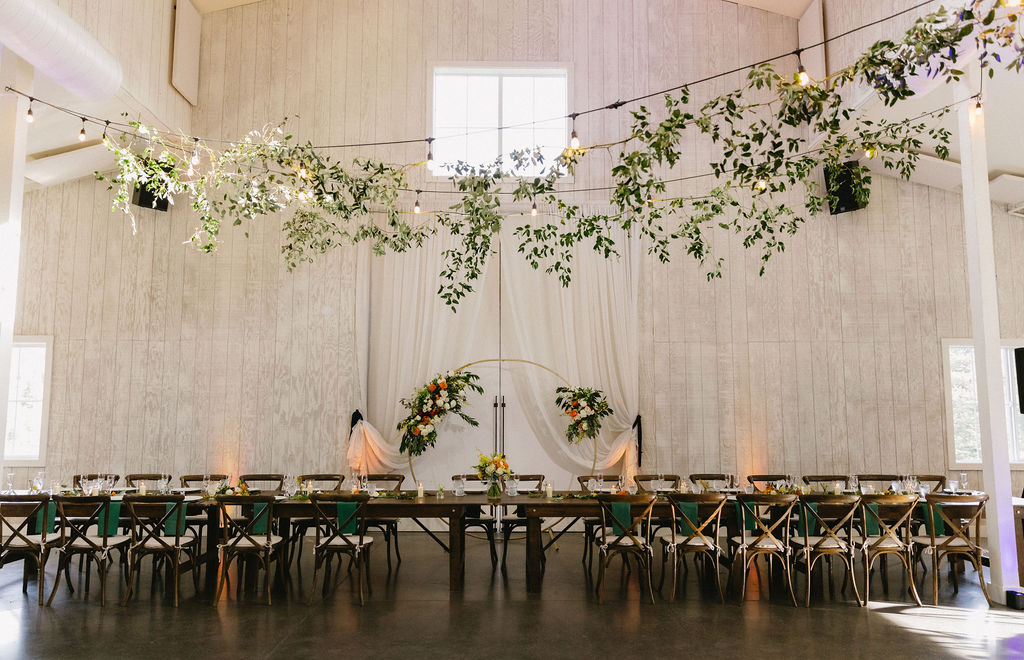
(492, 469)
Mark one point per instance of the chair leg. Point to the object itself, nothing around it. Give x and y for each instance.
(601, 569)
(718, 578)
(224, 565)
(317, 561)
(41, 569)
(394, 533)
(366, 561)
(132, 568)
(648, 560)
(494, 549)
(101, 568)
(789, 579)
(975, 561)
(935, 577)
(506, 535)
(177, 576)
(359, 580)
(867, 578)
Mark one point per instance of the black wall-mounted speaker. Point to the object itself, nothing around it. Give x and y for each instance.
(142, 197)
(1018, 358)
(839, 184)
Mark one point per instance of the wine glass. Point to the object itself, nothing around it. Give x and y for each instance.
(10, 483)
(600, 483)
(853, 483)
(963, 481)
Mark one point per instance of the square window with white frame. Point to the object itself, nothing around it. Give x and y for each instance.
(27, 401)
(962, 398)
(471, 103)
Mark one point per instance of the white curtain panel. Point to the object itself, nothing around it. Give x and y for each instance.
(588, 333)
(413, 336)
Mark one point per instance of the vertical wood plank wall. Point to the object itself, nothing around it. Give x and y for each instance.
(166, 357)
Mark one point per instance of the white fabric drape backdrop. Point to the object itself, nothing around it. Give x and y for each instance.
(588, 333)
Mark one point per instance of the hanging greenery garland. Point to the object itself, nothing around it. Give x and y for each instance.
(774, 133)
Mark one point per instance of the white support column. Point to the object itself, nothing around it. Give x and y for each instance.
(17, 73)
(981, 271)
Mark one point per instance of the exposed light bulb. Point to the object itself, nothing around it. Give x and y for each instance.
(29, 118)
(869, 153)
(574, 141)
(416, 207)
(761, 184)
(303, 173)
(803, 77)
(977, 108)
(430, 154)
(81, 133)
(533, 210)
(194, 160)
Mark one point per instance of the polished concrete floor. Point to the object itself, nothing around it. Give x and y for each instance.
(410, 614)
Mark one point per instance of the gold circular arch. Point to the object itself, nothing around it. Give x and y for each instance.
(562, 378)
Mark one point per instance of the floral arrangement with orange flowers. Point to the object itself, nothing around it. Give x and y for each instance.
(428, 405)
(491, 470)
(585, 407)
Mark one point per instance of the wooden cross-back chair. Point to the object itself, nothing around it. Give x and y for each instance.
(590, 524)
(274, 482)
(625, 535)
(132, 480)
(323, 482)
(644, 482)
(15, 539)
(75, 539)
(198, 522)
(958, 541)
(693, 533)
(880, 480)
(248, 535)
(517, 519)
(765, 516)
(765, 479)
(826, 530)
(158, 528)
(477, 519)
(937, 481)
(388, 526)
(891, 514)
(341, 531)
(812, 479)
(729, 479)
(76, 481)
(190, 480)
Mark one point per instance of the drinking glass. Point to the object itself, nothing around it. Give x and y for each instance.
(592, 485)
(440, 490)
(10, 483)
(660, 483)
(954, 485)
(161, 485)
(371, 489)
(631, 489)
(459, 486)
(963, 481)
(925, 489)
(206, 483)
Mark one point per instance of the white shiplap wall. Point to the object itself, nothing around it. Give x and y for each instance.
(170, 360)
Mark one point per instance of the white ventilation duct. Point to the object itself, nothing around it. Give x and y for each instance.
(39, 32)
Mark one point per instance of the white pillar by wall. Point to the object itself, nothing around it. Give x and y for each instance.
(981, 271)
(15, 72)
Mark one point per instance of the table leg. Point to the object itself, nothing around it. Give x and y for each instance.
(534, 550)
(1018, 524)
(456, 550)
(213, 539)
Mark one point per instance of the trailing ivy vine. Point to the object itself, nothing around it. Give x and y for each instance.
(773, 136)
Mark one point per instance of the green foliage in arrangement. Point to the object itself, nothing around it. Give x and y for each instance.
(774, 134)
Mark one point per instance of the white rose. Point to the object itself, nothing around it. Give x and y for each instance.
(490, 469)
